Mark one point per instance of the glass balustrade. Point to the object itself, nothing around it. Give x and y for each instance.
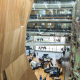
(49, 27)
(52, 1)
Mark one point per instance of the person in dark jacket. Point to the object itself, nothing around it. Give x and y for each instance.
(63, 53)
(51, 63)
(29, 52)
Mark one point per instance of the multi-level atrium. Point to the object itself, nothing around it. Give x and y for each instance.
(53, 30)
(39, 39)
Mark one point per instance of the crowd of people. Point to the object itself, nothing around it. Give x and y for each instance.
(42, 48)
(64, 50)
(41, 39)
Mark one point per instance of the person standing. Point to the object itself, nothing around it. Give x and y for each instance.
(37, 53)
(65, 48)
(29, 52)
(63, 53)
(37, 15)
(51, 63)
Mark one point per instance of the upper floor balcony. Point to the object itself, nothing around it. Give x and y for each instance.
(51, 15)
(60, 16)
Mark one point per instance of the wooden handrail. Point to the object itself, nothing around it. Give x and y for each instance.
(57, 17)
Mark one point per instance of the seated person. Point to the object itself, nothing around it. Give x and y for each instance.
(71, 68)
(30, 60)
(54, 72)
(34, 55)
(70, 77)
(58, 71)
(42, 64)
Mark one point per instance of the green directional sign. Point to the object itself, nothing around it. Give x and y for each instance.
(76, 67)
(77, 58)
(73, 41)
(74, 49)
(78, 78)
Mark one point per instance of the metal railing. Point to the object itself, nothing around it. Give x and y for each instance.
(50, 30)
(50, 16)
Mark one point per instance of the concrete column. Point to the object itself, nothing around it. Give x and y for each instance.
(33, 42)
(54, 12)
(46, 25)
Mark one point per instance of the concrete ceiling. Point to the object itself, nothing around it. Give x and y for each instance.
(53, 6)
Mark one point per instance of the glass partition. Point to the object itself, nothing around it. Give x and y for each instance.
(53, 26)
(49, 39)
(51, 13)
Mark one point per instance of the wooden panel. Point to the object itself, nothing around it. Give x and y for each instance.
(2, 21)
(34, 12)
(3, 5)
(12, 39)
(57, 17)
(31, 77)
(17, 69)
(0, 62)
(1, 43)
(1, 76)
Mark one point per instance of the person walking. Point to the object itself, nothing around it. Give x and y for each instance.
(63, 53)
